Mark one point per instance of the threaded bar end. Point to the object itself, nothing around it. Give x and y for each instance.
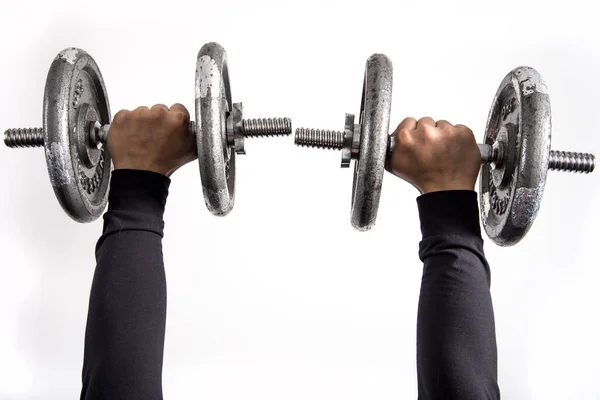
(319, 138)
(267, 127)
(24, 137)
(568, 161)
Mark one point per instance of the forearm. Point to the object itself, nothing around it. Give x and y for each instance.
(456, 341)
(125, 331)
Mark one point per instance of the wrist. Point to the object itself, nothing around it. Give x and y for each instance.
(432, 187)
(134, 166)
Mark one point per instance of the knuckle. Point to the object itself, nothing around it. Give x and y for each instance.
(430, 131)
(447, 129)
(179, 107)
(404, 135)
(140, 112)
(180, 116)
(158, 108)
(468, 136)
(407, 121)
(120, 117)
(157, 113)
(464, 129)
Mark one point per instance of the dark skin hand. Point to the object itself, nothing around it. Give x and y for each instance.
(153, 139)
(435, 156)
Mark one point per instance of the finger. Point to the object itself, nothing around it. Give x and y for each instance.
(120, 117)
(465, 132)
(426, 121)
(141, 110)
(408, 123)
(444, 127)
(157, 107)
(442, 123)
(405, 138)
(462, 128)
(158, 112)
(180, 108)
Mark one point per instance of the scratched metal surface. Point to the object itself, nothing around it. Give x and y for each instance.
(75, 94)
(510, 197)
(213, 101)
(376, 104)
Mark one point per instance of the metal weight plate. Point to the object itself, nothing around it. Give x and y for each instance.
(213, 103)
(511, 193)
(375, 107)
(75, 95)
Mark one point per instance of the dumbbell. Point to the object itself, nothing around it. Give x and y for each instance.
(515, 155)
(76, 123)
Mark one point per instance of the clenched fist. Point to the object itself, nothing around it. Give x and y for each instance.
(434, 156)
(156, 139)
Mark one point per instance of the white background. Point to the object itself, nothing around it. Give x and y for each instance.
(282, 299)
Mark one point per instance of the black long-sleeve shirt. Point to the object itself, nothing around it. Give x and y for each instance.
(124, 339)
(456, 339)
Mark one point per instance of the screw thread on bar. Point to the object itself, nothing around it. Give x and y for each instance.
(267, 127)
(568, 161)
(319, 138)
(24, 137)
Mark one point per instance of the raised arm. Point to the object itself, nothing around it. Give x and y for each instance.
(125, 331)
(456, 340)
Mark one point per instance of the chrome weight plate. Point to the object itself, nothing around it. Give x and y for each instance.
(75, 96)
(213, 103)
(511, 191)
(375, 107)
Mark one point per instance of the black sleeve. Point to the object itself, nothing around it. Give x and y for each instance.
(456, 339)
(124, 338)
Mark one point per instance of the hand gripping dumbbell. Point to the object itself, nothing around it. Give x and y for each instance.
(76, 123)
(515, 155)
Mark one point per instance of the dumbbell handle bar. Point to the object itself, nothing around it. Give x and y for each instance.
(490, 153)
(34, 137)
(98, 134)
(559, 160)
(567, 161)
